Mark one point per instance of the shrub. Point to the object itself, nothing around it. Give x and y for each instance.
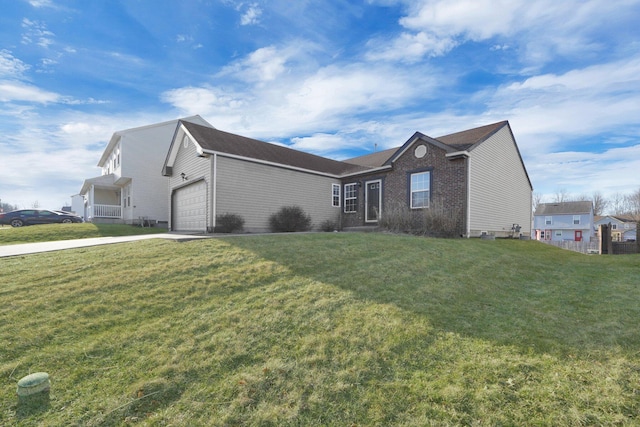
(329, 225)
(229, 223)
(289, 219)
(435, 221)
(440, 221)
(397, 219)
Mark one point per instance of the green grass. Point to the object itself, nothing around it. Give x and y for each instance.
(51, 232)
(323, 329)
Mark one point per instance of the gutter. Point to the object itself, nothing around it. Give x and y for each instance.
(458, 154)
(283, 166)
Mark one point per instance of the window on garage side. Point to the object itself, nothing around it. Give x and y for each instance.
(420, 190)
(350, 197)
(335, 195)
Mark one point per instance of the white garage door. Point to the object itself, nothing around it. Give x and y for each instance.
(190, 207)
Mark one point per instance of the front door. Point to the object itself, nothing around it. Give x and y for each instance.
(578, 236)
(373, 201)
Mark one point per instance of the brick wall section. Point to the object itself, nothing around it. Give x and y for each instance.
(448, 184)
(355, 219)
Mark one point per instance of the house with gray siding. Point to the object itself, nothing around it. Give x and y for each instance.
(477, 176)
(623, 227)
(565, 221)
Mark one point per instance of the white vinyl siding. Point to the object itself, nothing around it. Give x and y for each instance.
(142, 154)
(496, 175)
(256, 191)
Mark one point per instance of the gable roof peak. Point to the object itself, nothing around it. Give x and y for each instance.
(466, 139)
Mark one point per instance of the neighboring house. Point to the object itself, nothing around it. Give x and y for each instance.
(478, 175)
(131, 187)
(564, 221)
(623, 227)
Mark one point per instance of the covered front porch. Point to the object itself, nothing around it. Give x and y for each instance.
(103, 200)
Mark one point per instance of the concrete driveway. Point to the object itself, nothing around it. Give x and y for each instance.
(33, 248)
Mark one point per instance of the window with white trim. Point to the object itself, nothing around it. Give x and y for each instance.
(335, 195)
(420, 190)
(576, 219)
(547, 220)
(350, 197)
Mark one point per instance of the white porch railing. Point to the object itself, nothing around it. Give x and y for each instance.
(107, 211)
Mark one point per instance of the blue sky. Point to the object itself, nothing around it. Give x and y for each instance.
(335, 78)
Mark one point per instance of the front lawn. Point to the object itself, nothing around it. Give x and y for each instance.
(51, 232)
(323, 329)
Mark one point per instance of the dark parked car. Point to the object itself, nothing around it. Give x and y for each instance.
(37, 216)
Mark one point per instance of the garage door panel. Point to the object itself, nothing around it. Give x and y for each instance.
(190, 207)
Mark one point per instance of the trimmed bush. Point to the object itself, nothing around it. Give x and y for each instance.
(289, 219)
(229, 223)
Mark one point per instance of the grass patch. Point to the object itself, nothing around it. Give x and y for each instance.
(53, 232)
(323, 329)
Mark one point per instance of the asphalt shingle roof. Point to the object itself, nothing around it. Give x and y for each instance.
(218, 141)
(215, 140)
(468, 138)
(563, 208)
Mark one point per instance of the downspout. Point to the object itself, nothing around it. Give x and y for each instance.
(214, 191)
(468, 197)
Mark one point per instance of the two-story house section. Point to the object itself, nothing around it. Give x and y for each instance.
(131, 187)
(564, 221)
(623, 227)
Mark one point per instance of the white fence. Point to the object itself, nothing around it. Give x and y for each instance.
(107, 211)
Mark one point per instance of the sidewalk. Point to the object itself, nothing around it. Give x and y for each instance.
(32, 248)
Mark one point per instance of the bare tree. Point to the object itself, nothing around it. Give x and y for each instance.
(633, 204)
(618, 204)
(537, 199)
(561, 196)
(35, 205)
(600, 203)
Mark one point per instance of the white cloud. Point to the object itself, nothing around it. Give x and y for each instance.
(11, 91)
(321, 143)
(41, 3)
(36, 32)
(262, 65)
(409, 47)
(11, 66)
(584, 101)
(328, 98)
(252, 15)
(540, 30)
(477, 19)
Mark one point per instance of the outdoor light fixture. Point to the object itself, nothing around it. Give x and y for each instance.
(184, 177)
